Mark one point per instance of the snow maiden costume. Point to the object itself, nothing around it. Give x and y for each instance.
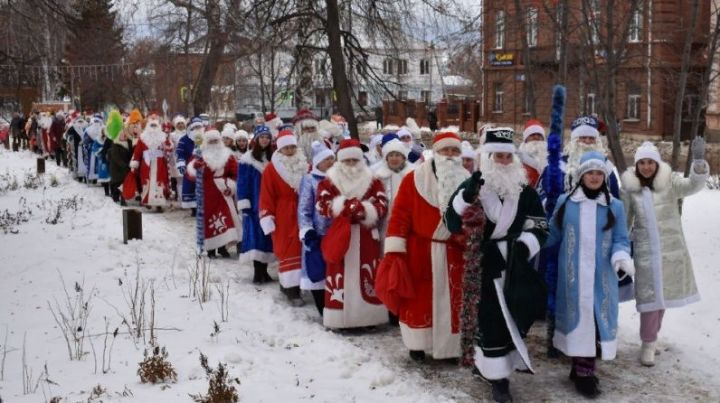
(664, 275)
(183, 157)
(512, 294)
(355, 201)
(420, 277)
(93, 142)
(149, 157)
(313, 227)
(589, 225)
(256, 247)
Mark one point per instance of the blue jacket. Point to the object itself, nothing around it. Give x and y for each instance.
(255, 244)
(183, 155)
(313, 265)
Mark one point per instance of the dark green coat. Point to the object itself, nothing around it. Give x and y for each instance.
(119, 154)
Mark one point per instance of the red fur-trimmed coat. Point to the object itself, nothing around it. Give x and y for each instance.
(350, 299)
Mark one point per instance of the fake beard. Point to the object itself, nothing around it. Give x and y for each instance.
(506, 181)
(575, 150)
(305, 141)
(94, 131)
(215, 156)
(351, 181)
(296, 166)
(153, 138)
(450, 174)
(537, 150)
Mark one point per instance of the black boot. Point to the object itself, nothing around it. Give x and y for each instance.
(394, 320)
(211, 254)
(293, 295)
(319, 297)
(417, 355)
(223, 252)
(588, 386)
(106, 188)
(261, 273)
(501, 391)
(193, 212)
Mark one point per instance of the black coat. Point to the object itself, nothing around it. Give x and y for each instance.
(119, 157)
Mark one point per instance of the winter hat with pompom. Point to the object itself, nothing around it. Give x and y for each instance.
(649, 151)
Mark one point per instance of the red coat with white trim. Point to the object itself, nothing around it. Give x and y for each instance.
(350, 299)
(278, 216)
(150, 158)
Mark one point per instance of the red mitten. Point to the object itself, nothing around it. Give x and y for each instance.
(393, 281)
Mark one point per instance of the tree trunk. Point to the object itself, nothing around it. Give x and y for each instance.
(188, 67)
(682, 83)
(339, 74)
(208, 71)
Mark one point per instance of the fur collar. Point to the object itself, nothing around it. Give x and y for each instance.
(579, 196)
(354, 189)
(661, 182)
(382, 171)
(217, 160)
(426, 183)
(248, 159)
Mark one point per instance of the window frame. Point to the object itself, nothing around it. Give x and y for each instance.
(500, 25)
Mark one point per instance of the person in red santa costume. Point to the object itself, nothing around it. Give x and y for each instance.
(533, 151)
(306, 128)
(278, 210)
(222, 224)
(356, 202)
(420, 278)
(149, 157)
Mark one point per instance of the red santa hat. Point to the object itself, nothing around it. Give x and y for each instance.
(350, 149)
(305, 118)
(447, 137)
(533, 126)
(286, 138)
(210, 135)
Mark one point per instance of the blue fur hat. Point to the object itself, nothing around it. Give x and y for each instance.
(592, 161)
(584, 126)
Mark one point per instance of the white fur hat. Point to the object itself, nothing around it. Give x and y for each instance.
(286, 138)
(394, 145)
(242, 134)
(649, 151)
(404, 132)
(229, 131)
(210, 135)
(467, 150)
(320, 152)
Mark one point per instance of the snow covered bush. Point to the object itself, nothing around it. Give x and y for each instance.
(156, 368)
(10, 221)
(220, 388)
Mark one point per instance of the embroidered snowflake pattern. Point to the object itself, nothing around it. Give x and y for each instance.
(335, 288)
(217, 223)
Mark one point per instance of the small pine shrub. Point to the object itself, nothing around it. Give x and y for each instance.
(156, 368)
(220, 388)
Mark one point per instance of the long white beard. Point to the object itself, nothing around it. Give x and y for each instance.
(153, 138)
(94, 131)
(351, 181)
(295, 166)
(215, 156)
(506, 181)
(575, 150)
(305, 141)
(450, 174)
(537, 150)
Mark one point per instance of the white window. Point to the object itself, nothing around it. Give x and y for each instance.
(402, 66)
(388, 66)
(635, 29)
(499, 95)
(590, 104)
(424, 66)
(425, 96)
(633, 107)
(500, 29)
(532, 26)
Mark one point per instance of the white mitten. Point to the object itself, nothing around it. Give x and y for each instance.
(625, 265)
(134, 164)
(267, 224)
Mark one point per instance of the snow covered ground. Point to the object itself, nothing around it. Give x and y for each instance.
(279, 353)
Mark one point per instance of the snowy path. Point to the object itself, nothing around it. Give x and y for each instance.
(280, 353)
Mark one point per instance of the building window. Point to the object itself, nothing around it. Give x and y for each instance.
(499, 95)
(635, 29)
(595, 21)
(319, 99)
(425, 96)
(402, 95)
(388, 66)
(499, 29)
(590, 104)
(532, 26)
(362, 98)
(402, 67)
(633, 107)
(320, 67)
(424, 66)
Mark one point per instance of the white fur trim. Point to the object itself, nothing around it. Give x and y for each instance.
(286, 140)
(533, 129)
(395, 145)
(459, 204)
(338, 205)
(584, 131)
(618, 256)
(248, 159)
(531, 241)
(395, 244)
(260, 256)
(447, 142)
(647, 151)
(243, 204)
(267, 224)
(371, 215)
(134, 164)
(191, 170)
(495, 368)
(304, 231)
(498, 148)
(350, 153)
(416, 338)
(355, 189)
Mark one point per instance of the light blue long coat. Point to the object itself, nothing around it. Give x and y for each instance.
(587, 284)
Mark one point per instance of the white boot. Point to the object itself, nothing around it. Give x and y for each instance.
(647, 354)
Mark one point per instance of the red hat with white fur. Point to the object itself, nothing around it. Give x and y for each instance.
(533, 126)
(447, 137)
(286, 138)
(350, 149)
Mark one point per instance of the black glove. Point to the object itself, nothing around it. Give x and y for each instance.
(311, 235)
(521, 251)
(698, 148)
(473, 188)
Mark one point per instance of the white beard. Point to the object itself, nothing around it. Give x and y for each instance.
(352, 182)
(575, 150)
(94, 131)
(450, 174)
(294, 167)
(506, 181)
(305, 141)
(153, 138)
(537, 150)
(216, 156)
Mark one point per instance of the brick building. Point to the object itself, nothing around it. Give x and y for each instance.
(712, 114)
(646, 79)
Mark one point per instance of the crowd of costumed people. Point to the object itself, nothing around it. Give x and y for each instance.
(463, 248)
